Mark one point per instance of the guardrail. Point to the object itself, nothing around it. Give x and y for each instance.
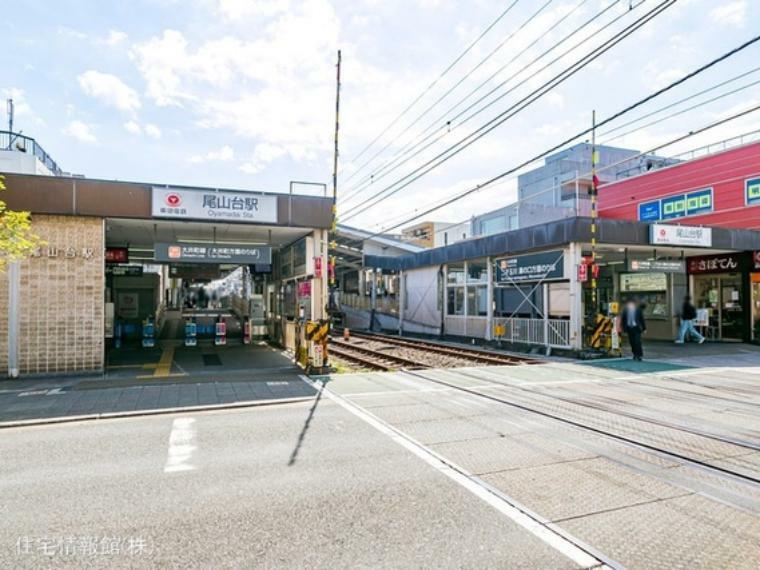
(544, 332)
(21, 143)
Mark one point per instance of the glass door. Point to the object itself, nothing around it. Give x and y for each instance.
(731, 307)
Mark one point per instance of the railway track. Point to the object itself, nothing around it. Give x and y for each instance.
(373, 359)
(474, 355)
(626, 439)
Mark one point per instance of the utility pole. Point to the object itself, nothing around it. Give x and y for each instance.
(10, 123)
(594, 193)
(334, 226)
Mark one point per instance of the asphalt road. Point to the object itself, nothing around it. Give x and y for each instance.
(550, 466)
(269, 487)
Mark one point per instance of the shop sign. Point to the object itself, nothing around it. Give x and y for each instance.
(657, 265)
(213, 253)
(534, 267)
(212, 205)
(124, 270)
(638, 282)
(694, 236)
(304, 289)
(752, 191)
(117, 255)
(679, 206)
(756, 260)
(721, 263)
(582, 273)
(649, 211)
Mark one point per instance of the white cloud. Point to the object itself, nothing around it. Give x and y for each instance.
(263, 154)
(21, 106)
(237, 9)
(132, 128)
(730, 13)
(115, 37)
(152, 131)
(224, 154)
(80, 131)
(110, 90)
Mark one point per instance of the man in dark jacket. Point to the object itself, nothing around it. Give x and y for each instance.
(633, 325)
(688, 315)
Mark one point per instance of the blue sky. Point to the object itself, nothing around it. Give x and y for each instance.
(239, 93)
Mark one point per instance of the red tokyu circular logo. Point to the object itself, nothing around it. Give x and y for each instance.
(663, 232)
(173, 200)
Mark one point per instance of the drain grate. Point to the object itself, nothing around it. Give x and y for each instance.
(211, 360)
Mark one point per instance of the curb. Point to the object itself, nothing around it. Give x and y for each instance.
(156, 412)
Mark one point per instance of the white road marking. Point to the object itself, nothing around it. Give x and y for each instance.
(543, 529)
(181, 446)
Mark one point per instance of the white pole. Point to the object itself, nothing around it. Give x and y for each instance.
(14, 287)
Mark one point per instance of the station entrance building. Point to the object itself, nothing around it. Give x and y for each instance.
(129, 265)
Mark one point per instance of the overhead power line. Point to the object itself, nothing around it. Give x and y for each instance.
(466, 76)
(437, 79)
(499, 119)
(513, 170)
(439, 124)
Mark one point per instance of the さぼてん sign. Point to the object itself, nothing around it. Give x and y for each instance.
(182, 203)
(533, 267)
(213, 253)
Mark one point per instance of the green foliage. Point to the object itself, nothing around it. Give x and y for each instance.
(16, 238)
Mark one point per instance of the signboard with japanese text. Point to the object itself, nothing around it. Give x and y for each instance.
(649, 211)
(657, 265)
(124, 270)
(638, 282)
(117, 255)
(756, 260)
(720, 263)
(213, 205)
(679, 206)
(694, 236)
(213, 253)
(752, 191)
(533, 267)
(673, 207)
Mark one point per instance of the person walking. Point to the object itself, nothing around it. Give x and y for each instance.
(688, 315)
(634, 326)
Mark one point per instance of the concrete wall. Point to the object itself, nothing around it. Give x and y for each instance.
(22, 163)
(61, 299)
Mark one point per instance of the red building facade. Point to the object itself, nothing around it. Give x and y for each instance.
(721, 190)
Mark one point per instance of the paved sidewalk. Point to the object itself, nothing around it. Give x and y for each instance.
(265, 374)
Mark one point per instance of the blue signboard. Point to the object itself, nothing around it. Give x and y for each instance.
(673, 207)
(752, 191)
(699, 202)
(649, 211)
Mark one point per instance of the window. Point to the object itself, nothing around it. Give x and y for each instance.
(455, 305)
(477, 301)
(559, 300)
(477, 271)
(455, 274)
(467, 289)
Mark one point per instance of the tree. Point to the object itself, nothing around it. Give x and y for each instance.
(16, 238)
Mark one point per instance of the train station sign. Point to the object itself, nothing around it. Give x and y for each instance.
(533, 267)
(213, 205)
(663, 234)
(212, 253)
(657, 265)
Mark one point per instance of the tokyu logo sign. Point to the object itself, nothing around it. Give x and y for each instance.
(192, 204)
(662, 234)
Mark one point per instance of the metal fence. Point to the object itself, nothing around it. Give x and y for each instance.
(19, 143)
(544, 332)
(387, 305)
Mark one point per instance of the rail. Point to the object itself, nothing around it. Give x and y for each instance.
(17, 142)
(545, 332)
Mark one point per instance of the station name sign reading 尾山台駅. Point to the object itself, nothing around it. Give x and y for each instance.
(212, 253)
(213, 205)
(532, 267)
(663, 234)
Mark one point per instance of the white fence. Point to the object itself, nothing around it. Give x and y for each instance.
(545, 332)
